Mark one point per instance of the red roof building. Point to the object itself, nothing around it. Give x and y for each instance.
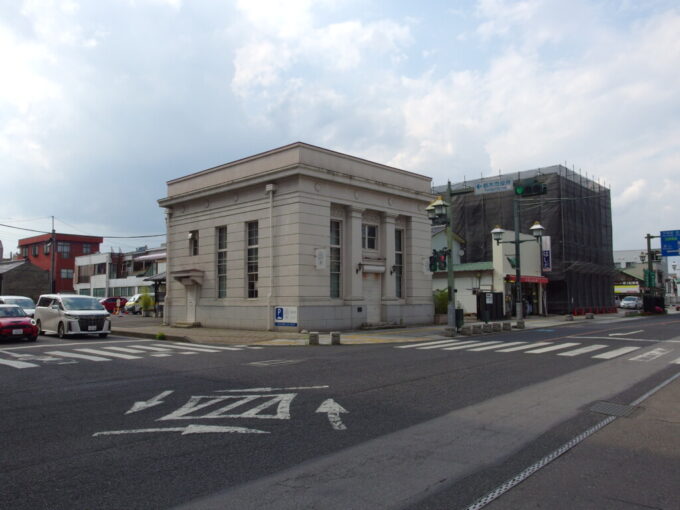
(39, 251)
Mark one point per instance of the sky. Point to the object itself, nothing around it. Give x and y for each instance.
(103, 101)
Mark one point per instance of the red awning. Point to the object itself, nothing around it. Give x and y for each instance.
(527, 279)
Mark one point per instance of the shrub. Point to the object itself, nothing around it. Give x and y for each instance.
(441, 301)
(160, 336)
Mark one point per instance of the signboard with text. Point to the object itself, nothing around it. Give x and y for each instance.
(670, 243)
(286, 316)
(546, 254)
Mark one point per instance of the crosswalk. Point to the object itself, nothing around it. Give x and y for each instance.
(104, 353)
(568, 349)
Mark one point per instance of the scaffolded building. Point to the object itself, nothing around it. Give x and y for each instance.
(576, 214)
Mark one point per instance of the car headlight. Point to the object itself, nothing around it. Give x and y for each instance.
(33, 323)
(71, 317)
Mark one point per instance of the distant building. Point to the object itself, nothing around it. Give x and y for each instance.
(576, 214)
(21, 278)
(39, 251)
(299, 237)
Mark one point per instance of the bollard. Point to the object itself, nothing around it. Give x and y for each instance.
(590, 315)
(476, 329)
(520, 324)
(487, 328)
(496, 326)
(507, 326)
(335, 338)
(451, 332)
(313, 338)
(569, 317)
(466, 330)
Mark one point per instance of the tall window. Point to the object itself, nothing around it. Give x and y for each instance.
(399, 262)
(46, 248)
(221, 234)
(67, 274)
(335, 261)
(64, 248)
(252, 267)
(34, 250)
(369, 237)
(87, 249)
(193, 242)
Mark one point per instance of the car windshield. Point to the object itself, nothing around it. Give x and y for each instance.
(81, 303)
(11, 311)
(630, 298)
(22, 302)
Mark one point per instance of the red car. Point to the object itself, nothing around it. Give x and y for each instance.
(15, 324)
(110, 304)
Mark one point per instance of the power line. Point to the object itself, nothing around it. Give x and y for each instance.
(105, 237)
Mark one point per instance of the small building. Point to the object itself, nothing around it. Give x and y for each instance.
(61, 259)
(21, 278)
(299, 237)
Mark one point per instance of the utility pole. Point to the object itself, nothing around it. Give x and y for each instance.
(53, 249)
(519, 310)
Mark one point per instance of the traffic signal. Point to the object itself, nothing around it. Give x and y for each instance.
(441, 260)
(527, 187)
(433, 261)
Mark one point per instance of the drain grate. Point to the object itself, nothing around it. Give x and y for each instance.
(613, 409)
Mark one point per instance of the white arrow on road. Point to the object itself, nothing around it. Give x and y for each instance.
(333, 409)
(146, 404)
(189, 429)
(624, 334)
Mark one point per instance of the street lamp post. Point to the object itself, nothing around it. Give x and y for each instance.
(537, 231)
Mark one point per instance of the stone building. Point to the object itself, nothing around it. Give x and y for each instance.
(298, 237)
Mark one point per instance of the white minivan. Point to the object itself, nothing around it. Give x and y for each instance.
(70, 314)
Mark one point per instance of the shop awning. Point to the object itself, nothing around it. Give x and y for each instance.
(527, 279)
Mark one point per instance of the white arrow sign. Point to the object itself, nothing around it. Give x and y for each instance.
(624, 334)
(333, 409)
(146, 404)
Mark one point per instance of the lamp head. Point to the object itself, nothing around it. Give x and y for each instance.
(497, 234)
(537, 229)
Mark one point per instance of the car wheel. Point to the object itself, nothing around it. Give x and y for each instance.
(33, 338)
(61, 333)
(103, 335)
(37, 323)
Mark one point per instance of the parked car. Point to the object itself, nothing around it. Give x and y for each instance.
(24, 302)
(16, 324)
(110, 303)
(70, 314)
(134, 304)
(632, 302)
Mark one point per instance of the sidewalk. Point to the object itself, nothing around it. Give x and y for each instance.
(150, 327)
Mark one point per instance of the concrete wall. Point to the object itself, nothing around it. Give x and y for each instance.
(25, 280)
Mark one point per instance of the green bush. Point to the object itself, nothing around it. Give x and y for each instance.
(160, 336)
(441, 301)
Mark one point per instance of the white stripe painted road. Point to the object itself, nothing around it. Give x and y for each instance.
(463, 345)
(17, 364)
(439, 346)
(494, 347)
(522, 347)
(675, 362)
(160, 355)
(123, 349)
(582, 350)
(615, 353)
(553, 348)
(149, 348)
(226, 348)
(187, 347)
(423, 344)
(485, 346)
(65, 354)
(651, 355)
(108, 353)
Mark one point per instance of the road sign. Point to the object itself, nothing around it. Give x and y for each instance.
(670, 243)
(286, 316)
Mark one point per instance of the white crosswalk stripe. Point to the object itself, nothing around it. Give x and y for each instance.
(524, 347)
(189, 347)
(423, 344)
(553, 348)
(485, 346)
(494, 347)
(676, 362)
(17, 364)
(462, 345)
(149, 348)
(583, 350)
(108, 353)
(124, 349)
(65, 354)
(440, 346)
(615, 353)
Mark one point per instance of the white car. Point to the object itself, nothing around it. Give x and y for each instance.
(632, 302)
(70, 314)
(24, 302)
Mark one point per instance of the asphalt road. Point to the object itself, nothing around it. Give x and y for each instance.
(131, 423)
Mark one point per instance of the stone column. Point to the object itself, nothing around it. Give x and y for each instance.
(389, 292)
(353, 278)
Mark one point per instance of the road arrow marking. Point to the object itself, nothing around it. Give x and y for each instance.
(333, 409)
(625, 334)
(146, 404)
(189, 429)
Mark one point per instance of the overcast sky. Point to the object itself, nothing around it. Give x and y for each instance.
(103, 101)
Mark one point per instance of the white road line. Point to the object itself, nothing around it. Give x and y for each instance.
(223, 347)
(423, 344)
(675, 362)
(493, 347)
(123, 349)
(651, 355)
(522, 347)
(615, 353)
(17, 364)
(189, 352)
(65, 354)
(186, 347)
(439, 346)
(485, 346)
(149, 348)
(108, 353)
(582, 350)
(579, 337)
(626, 334)
(160, 355)
(553, 348)
(463, 345)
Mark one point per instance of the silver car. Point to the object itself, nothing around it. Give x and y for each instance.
(24, 302)
(632, 302)
(70, 314)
